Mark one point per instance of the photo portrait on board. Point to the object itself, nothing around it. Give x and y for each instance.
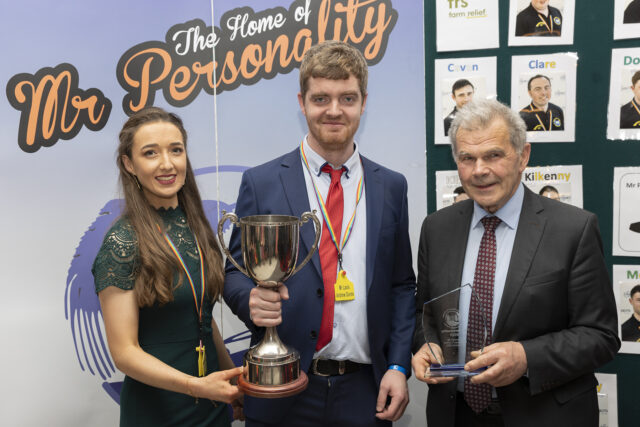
(460, 194)
(632, 12)
(543, 92)
(557, 182)
(630, 112)
(623, 110)
(626, 283)
(550, 191)
(448, 189)
(630, 329)
(540, 114)
(626, 217)
(541, 22)
(539, 19)
(626, 19)
(461, 92)
(456, 82)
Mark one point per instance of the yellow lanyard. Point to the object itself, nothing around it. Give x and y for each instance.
(200, 349)
(633, 102)
(550, 120)
(531, 109)
(545, 22)
(325, 213)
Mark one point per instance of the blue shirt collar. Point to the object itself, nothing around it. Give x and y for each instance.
(509, 213)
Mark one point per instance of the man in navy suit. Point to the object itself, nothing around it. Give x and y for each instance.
(359, 362)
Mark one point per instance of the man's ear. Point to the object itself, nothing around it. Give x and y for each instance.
(524, 157)
(301, 102)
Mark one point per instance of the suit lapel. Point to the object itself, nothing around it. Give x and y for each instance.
(295, 190)
(459, 237)
(530, 228)
(374, 193)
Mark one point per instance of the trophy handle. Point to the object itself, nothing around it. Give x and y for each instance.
(234, 220)
(304, 218)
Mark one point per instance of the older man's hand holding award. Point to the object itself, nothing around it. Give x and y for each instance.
(439, 360)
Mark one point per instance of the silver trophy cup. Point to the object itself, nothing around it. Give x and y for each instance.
(270, 252)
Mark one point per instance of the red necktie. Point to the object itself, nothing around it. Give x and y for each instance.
(478, 396)
(329, 253)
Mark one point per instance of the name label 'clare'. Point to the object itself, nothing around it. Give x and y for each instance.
(536, 64)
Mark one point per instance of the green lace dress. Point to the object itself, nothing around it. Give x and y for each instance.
(169, 332)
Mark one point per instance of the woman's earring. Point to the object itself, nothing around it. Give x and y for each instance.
(135, 178)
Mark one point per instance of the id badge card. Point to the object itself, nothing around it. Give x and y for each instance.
(344, 289)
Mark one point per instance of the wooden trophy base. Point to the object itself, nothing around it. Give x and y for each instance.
(271, 391)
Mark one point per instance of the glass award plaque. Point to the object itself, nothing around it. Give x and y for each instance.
(441, 325)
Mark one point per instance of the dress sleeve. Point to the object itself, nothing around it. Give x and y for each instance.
(117, 261)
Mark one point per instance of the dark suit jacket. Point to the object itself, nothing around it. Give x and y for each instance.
(557, 301)
(448, 120)
(278, 187)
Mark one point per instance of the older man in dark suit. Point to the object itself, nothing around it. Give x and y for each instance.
(537, 265)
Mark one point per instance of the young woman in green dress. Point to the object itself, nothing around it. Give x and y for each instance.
(158, 274)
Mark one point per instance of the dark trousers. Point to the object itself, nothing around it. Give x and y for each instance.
(466, 417)
(337, 401)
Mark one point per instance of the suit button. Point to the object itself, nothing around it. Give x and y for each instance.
(319, 292)
(313, 335)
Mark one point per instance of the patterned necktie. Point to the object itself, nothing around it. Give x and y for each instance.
(478, 396)
(329, 253)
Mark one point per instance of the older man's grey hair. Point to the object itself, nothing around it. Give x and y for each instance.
(479, 114)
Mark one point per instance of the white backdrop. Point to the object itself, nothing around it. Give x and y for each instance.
(59, 174)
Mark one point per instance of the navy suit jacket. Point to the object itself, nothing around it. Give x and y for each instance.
(557, 301)
(278, 187)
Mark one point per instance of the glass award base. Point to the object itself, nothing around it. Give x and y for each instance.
(451, 370)
(442, 330)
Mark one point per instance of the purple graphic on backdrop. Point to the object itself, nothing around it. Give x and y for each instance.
(81, 303)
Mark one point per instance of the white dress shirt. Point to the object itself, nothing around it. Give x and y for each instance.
(350, 339)
(509, 215)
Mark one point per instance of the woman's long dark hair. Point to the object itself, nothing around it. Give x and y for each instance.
(154, 279)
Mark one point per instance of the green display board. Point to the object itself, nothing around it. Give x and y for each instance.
(593, 41)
